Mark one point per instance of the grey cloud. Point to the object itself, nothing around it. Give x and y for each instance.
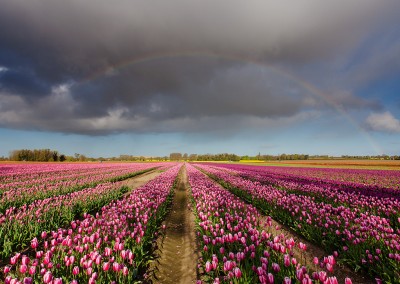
(59, 43)
(22, 82)
(383, 122)
(77, 36)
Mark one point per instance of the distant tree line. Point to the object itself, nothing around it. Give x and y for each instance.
(36, 155)
(378, 157)
(132, 158)
(204, 157)
(47, 155)
(277, 157)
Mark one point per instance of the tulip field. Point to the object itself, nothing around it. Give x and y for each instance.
(94, 233)
(235, 248)
(80, 223)
(359, 220)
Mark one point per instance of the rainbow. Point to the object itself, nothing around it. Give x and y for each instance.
(195, 54)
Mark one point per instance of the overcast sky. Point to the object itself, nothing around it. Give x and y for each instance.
(105, 78)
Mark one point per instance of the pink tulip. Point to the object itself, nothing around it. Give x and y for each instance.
(329, 267)
(115, 266)
(299, 274)
(287, 280)
(208, 266)
(275, 267)
(316, 260)
(270, 278)
(47, 277)
(286, 260)
(13, 260)
(7, 280)
(75, 270)
(32, 270)
(57, 281)
(23, 269)
(347, 280)
(34, 243)
(322, 276)
(237, 272)
(125, 271)
(27, 280)
(107, 251)
(228, 265)
(7, 269)
(106, 266)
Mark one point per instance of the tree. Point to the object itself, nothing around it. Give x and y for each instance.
(55, 156)
(175, 156)
(35, 155)
(192, 157)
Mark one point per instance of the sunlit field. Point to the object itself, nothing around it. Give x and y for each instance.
(351, 164)
(91, 223)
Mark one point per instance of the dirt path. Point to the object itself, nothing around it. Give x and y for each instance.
(138, 181)
(177, 262)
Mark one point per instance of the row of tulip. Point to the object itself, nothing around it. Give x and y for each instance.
(380, 178)
(19, 225)
(376, 183)
(358, 200)
(363, 240)
(111, 246)
(24, 189)
(28, 175)
(235, 246)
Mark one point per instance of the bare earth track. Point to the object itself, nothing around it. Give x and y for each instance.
(139, 180)
(177, 262)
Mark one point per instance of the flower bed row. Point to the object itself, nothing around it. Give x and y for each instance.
(348, 178)
(112, 246)
(19, 175)
(363, 240)
(19, 225)
(236, 249)
(25, 190)
(378, 186)
(357, 199)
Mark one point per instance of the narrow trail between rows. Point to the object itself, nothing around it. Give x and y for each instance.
(177, 262)
(140, 180)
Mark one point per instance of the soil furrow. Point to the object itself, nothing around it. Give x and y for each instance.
(177, 262)
(140, 180)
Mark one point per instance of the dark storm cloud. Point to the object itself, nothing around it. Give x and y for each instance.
(23, 82)
(50, 47)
